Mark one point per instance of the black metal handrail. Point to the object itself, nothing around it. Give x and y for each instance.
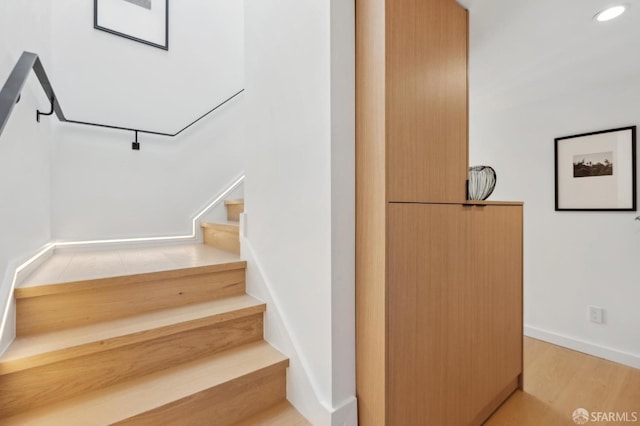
(10, 95)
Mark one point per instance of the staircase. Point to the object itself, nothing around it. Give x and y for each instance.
(225, 235)
(152, 336)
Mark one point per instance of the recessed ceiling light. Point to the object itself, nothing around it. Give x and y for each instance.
(610, 13)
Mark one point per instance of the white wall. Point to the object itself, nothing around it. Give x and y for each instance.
(343, 198)
(101, 188)
(535, 76)
(299, 193)
(25, 146)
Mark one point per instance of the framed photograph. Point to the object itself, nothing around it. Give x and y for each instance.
(596, 171)
(144, 21)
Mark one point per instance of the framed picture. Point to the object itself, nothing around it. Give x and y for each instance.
(144, 21)
(596, 171)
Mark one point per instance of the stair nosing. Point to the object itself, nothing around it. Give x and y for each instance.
(144, 328)
(204, 373)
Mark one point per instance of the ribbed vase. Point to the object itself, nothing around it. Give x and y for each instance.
(482, 182)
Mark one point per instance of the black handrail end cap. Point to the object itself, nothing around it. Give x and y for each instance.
(135, 146)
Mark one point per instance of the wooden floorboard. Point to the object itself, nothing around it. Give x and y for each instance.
(557, 381)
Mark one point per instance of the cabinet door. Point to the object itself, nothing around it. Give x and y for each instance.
(495, 259)
(454, 311)
(426, 100)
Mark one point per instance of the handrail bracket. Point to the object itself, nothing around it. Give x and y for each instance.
(38, 113)
(135, 145)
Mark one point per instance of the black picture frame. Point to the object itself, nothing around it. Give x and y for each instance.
(596, 171)
(113, 29)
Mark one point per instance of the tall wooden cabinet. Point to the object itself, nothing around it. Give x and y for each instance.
(438, 279)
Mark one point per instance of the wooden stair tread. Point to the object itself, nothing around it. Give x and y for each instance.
(234, 209)
(282, 414)
(224, 235)
(122, 401)
(83, 285)
(35, 350)
(65, 287)
(229, 225)
(69, 267)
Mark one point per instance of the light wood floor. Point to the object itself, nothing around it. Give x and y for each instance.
(558, 380)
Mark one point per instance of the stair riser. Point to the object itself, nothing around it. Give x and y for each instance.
(76, 308)
(233, 211)
(222, 405)
(55, 382)
(222, 238)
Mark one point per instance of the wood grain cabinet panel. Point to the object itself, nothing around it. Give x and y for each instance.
(426, 100)
(454, 311)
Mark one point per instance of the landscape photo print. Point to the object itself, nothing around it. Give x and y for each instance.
(596, 171)
(596, 164)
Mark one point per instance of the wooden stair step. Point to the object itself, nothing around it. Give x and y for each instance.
(42, 369)
(229, 225)
(282, 414)
(66, 266)
(224, 388)
(52, 307)
(46, 348)
(102, 283)
(234, 208)
(225, 236)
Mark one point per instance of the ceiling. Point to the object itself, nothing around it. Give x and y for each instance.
(527, 50)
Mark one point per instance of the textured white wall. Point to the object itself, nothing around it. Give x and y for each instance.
(299, 193)
(25, 147)
(101, 188)
(535, 76)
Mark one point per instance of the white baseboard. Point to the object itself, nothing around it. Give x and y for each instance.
(27, 268)
(302, 389)
(346, 414)
(17, 270)
(583, 346)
